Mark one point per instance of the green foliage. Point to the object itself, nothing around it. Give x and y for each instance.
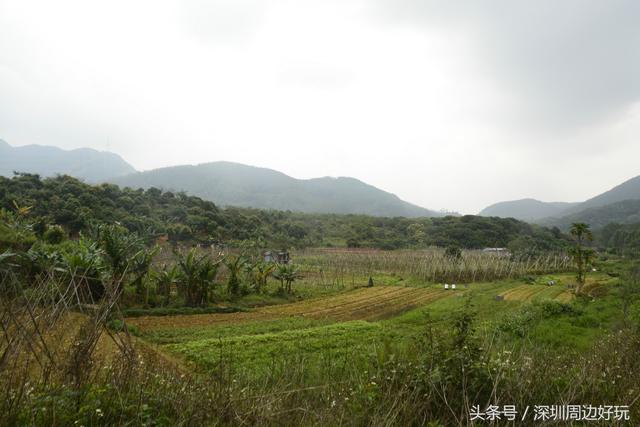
(620, 212)
(453, 253)
(621, 238)
(259, 275)
(74, 205)
(54, 235)
(521, 322)
(198, 273)
(287, 274)
(234, 265)
(84, 263)
(583, 256)
(117, 325)
(15, 232)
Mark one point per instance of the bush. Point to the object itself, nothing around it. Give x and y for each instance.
(453, 252)
(54, 235)
(521, 322)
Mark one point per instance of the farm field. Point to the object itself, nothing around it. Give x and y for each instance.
(346, 328)
(316, 338)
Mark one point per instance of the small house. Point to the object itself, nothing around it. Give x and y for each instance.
(267, 256)
(497, 251)
(283, 257)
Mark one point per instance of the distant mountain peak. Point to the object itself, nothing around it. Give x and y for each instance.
(85, 163)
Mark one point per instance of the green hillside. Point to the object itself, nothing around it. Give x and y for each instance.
(233, 184)
(65, 201)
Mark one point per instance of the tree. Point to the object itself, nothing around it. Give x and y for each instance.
(260, 274)
(287, 274)
(140, 265)
(234, 265)
(630, 290)
(166, 278)
(197, 276)
(84, 266)
(120, 248)
(582, 256)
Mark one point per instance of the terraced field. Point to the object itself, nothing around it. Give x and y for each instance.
(531, 292)
(335, 331)
(360, 304)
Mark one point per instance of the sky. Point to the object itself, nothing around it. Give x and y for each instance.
(450, 105)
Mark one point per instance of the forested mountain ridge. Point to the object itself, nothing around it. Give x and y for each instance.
(74, 205)
(621, 204)
(624, 212)
(84, 163)
(234, 184)
(628, 190)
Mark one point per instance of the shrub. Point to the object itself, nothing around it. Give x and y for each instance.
(453, 252)
(54, 235)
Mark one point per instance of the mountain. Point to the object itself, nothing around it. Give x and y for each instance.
(628, 190)
(621, 205)
(234, 184)
(526, 209)
(624, 212)
(615, 205)
(85, 163)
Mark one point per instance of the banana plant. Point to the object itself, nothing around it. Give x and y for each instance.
(260, 275)
(287, 274)
(197, 275)
(234, 265)
(165, 279)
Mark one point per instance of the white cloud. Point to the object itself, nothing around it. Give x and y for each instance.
(438, 105)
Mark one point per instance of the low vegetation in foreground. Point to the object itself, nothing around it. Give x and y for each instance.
(116, 328)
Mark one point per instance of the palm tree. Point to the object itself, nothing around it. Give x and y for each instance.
(120, 247)
(582, 256)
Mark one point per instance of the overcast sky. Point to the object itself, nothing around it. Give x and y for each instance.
(449, 104)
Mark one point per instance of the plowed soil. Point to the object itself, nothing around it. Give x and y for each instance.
(360, 304)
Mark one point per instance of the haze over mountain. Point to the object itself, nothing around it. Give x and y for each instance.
(84, 163)
(623, 212)
(526, 209)
(628, 190)
(620, 204)
(234, 184)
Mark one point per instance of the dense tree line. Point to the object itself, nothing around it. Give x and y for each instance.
(622, 238)
(623, 212)
(75, 206)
